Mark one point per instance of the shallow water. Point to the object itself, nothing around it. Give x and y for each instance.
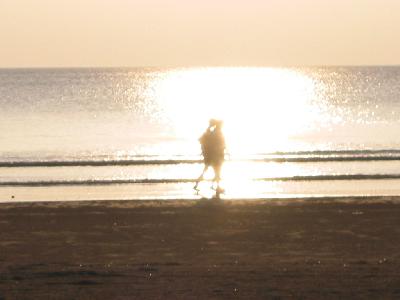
(132, 133)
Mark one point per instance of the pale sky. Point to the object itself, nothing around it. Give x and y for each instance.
(78, 33)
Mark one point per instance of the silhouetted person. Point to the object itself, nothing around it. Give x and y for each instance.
(213, 149)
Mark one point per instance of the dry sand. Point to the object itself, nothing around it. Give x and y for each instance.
(330, 249)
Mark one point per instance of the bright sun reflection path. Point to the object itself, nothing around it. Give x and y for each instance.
(261, 107)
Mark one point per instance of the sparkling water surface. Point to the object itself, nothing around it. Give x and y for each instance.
(138, 115)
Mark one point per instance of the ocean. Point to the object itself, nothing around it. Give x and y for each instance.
(132, 133)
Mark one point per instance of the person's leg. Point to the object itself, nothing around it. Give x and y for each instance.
(216, 180)
(201, 176)
(217, 175)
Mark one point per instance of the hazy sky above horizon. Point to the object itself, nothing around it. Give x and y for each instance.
(67, 33)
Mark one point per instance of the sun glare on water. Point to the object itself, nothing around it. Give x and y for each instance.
(262, 108)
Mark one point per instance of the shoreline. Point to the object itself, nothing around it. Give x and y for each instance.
(5, 204)
(207, 249)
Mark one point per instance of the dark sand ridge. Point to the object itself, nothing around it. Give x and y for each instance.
(313, 249)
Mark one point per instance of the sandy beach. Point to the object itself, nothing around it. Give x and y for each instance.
(207, 249)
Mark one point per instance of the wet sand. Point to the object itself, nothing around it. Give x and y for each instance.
(311, 249)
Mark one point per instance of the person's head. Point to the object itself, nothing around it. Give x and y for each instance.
(218, 124)
(212, 123)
